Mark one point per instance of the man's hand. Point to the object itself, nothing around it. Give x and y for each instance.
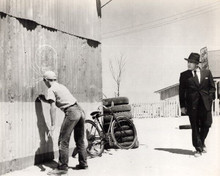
(42, 97)
(51, 130)
(183, 110)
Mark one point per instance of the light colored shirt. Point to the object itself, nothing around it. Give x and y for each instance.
(198, 72)
(60, 95)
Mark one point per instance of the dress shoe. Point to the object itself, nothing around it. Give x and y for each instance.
(204, 150)
(197, 154)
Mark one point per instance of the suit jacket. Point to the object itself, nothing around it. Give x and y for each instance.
(190, 90)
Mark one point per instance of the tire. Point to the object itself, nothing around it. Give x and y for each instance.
(106, 125)
(117, 101)
(182, 127)
(118, 108)
(120, 136)
(125, 128)
(128, 139)
(128, 114)
(125, 133)
(93, 135)
(136, 145)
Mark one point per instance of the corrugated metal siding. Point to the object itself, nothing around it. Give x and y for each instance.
(26, 51)
(76, 17)
(26, 54)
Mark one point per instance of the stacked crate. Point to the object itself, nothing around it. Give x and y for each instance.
(120, 107)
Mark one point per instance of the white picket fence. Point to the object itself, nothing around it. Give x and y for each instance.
(166, 108)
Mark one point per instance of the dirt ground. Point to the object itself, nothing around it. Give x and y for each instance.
(164, 150)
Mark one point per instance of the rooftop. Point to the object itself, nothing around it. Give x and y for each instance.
(166, 88)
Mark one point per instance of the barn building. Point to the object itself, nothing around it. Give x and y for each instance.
(35, 36)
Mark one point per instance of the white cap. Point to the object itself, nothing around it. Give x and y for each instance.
(50, 75)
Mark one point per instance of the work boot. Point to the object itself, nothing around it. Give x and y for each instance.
(80, 167)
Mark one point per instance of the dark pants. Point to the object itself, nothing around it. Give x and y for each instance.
(200, 120)
(74, 121)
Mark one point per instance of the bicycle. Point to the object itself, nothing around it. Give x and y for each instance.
(121, 133)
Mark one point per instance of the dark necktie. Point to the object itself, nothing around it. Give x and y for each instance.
(196, 76)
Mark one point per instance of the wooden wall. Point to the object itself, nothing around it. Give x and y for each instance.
(27, 49)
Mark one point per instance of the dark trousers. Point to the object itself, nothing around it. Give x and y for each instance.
(74, 121)
(200, 120)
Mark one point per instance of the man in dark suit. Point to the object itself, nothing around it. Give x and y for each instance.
(196, 94)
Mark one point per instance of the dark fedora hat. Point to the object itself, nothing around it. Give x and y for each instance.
(194, 58)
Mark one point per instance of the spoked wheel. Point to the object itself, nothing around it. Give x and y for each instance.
(123, 132)
(93, 135)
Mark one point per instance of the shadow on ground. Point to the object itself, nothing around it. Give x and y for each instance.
(52, 165)
(45, 152)
(176, 151)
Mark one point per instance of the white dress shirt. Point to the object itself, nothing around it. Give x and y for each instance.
(198, 72)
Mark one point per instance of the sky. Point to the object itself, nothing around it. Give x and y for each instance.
(155, 36)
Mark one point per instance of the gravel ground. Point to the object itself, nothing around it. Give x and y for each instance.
(164, 150)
